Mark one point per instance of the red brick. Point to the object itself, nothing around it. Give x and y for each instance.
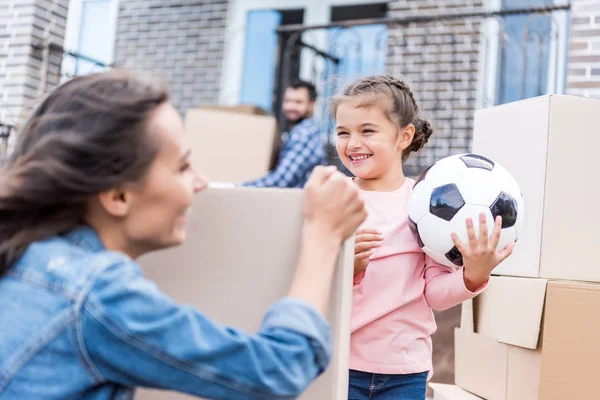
(584, 59)
(428, 6)
(576, 72)
(578, 46)
(580, 20)
(584, 85)
(586, 33)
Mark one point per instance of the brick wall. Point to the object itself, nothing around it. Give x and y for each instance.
(440, 62)
(24, 23)
(583, 76)
(183, 39)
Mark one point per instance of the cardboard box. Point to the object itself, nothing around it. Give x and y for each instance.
(549, 144)
(239, 258)
(240, 108)
(533, 339)
(450, 392)
(230, 146)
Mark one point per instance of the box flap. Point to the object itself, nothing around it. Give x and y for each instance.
(252, 235)
(510, 310)
(571, 350)
(450, 392)
(481, 365)
(220, 140)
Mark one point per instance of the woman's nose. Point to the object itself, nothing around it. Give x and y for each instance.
(200, 182)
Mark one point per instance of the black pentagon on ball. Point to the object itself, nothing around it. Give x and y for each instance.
(445, 201)
(455, 257)
(415, 229)
(477, 161)
(506, 207)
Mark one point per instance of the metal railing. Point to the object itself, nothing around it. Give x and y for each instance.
(431, 62)
(6, 130)
(72, 63)
(69, 64)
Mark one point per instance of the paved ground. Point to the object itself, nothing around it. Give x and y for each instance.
(443, 346)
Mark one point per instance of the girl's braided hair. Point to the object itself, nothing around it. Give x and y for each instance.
(403, 109)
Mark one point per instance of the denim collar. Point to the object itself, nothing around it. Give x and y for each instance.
(86, 237)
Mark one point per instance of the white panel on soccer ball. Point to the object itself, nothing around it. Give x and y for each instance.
(459, 222)
(435, 234)
(439, 258)
(508, 235)
(418, 203)
(506, 181)
(445, 171)
(478, 187)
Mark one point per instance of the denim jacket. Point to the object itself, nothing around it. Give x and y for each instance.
(80, 322)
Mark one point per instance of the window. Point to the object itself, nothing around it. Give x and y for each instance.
(362, 49)
(252, 52)
(260, 55)
(525, 55)
(90, 32)
(524, 61)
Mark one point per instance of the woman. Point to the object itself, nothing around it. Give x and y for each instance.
(99, 177)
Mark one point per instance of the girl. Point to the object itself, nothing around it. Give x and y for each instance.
(100, 177)
(395, 285)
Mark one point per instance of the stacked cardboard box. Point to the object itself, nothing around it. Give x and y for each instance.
(533, 333)
(230, 144)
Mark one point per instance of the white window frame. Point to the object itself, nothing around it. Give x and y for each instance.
(73, 28)
(315, 12)
(489, 56)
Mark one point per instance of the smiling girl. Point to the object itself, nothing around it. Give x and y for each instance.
(396, 285)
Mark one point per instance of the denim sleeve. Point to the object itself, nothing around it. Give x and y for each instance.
(132, 334)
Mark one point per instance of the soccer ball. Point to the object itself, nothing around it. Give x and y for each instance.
(456, 188)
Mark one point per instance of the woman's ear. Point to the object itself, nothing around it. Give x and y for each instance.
(116, 202)
(406, 136)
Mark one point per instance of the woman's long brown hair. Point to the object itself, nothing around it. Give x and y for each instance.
(88, 136)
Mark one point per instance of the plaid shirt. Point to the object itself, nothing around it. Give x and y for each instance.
(302, 150)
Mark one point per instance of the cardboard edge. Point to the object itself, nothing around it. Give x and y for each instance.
(345, 265)
(467, 316)
(226, 113)
(451, 392)
(546, 97)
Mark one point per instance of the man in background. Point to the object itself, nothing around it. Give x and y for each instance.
(302, 146)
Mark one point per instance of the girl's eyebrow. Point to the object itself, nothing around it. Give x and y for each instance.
(360, 126)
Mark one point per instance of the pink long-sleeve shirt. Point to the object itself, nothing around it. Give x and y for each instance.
(392, 318)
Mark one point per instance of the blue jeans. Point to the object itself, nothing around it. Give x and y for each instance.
(368, 386)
